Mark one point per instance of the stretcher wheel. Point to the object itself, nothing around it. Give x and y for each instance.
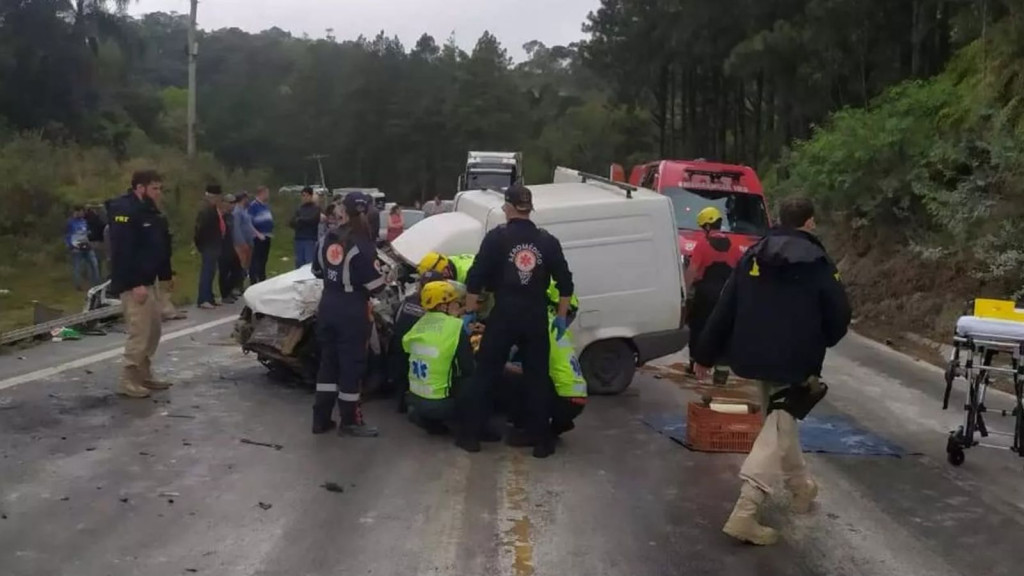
(956, 457)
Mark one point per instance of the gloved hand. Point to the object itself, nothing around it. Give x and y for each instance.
(559, 325)
(467, 321)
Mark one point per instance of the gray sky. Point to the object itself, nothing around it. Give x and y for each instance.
(514, 22)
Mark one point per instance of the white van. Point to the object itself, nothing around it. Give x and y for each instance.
(623, 249)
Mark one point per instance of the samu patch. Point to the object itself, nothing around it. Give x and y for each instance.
(335, 254)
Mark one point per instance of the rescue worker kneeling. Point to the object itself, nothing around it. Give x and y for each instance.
(409, 312)
(440, 359)
(569, 389)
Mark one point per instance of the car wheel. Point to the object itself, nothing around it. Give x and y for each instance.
(608, 366)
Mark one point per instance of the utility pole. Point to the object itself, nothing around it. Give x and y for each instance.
(193, 50)
(320, 165)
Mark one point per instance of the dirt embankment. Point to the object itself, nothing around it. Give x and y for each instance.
(902, 299)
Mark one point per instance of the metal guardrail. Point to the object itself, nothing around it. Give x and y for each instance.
(66, 321)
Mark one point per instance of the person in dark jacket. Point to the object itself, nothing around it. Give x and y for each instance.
(782, 308)
(516, 263)
(231, 275)
(210, 231)
(306, 224)
(139, 251)
(345, 261)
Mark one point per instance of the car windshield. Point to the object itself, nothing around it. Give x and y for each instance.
(485, 180)
(743, 213)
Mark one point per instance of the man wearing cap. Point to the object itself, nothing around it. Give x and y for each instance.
(306, 224)
(229, 266)
(243, 235)
(210, 231)
(516, 262)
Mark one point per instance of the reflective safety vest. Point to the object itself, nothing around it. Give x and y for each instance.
(462, 263)
(431, 344)
(554, 297)
(565, 368)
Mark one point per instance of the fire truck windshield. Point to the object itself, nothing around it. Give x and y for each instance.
(743, 213)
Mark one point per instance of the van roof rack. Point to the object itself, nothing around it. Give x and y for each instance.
(628, 188)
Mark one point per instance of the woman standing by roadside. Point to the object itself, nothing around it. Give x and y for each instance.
(396, 225)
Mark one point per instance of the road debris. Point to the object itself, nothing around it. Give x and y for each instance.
(264, 444)
(265, 506)
(169, 495)
(65, 499)
(333, 487)
(90, 448)
(169, 415)
(144, 454)
(124, 500)
(191, 570)
(6, 403)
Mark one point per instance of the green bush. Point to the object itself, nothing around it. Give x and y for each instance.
(936, 164)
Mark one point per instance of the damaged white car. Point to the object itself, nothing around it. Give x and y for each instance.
(278, 323)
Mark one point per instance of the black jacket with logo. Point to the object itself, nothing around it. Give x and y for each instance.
(139, 249)
(516, 262)
(782, 308)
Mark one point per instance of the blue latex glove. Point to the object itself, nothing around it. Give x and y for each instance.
(468, 319)
(559, 325)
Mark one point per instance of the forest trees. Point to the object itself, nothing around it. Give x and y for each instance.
(740, 79)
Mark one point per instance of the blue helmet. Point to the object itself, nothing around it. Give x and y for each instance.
(356, 203)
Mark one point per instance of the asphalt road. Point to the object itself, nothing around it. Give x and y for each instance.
(93, 485)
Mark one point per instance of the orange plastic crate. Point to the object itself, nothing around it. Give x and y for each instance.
(710, 431)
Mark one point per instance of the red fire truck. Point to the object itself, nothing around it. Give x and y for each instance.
(693, 185)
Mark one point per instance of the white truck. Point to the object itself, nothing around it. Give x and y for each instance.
(497, 170)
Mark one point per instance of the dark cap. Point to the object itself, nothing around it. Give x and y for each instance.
(356, 203)
(243, 195)
(214, 189)
(519, 197)
(307, 190)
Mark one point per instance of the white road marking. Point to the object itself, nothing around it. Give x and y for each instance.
(107, 355)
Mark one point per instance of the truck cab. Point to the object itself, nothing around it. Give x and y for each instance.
(491, 170)
(693, 185)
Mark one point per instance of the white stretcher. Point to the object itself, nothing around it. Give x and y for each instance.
(977, 342)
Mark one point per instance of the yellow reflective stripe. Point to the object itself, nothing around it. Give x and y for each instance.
(755, 270)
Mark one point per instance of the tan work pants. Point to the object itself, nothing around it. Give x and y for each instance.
(776, 455)
(143, 324)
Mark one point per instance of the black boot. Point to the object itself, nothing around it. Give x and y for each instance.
(323, 407)
(559, 427)
(544, 448)
(352, 421)
(468, 443)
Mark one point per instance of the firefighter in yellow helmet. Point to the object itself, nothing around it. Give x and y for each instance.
(711, 263)
(454, 267)
(440, 359)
